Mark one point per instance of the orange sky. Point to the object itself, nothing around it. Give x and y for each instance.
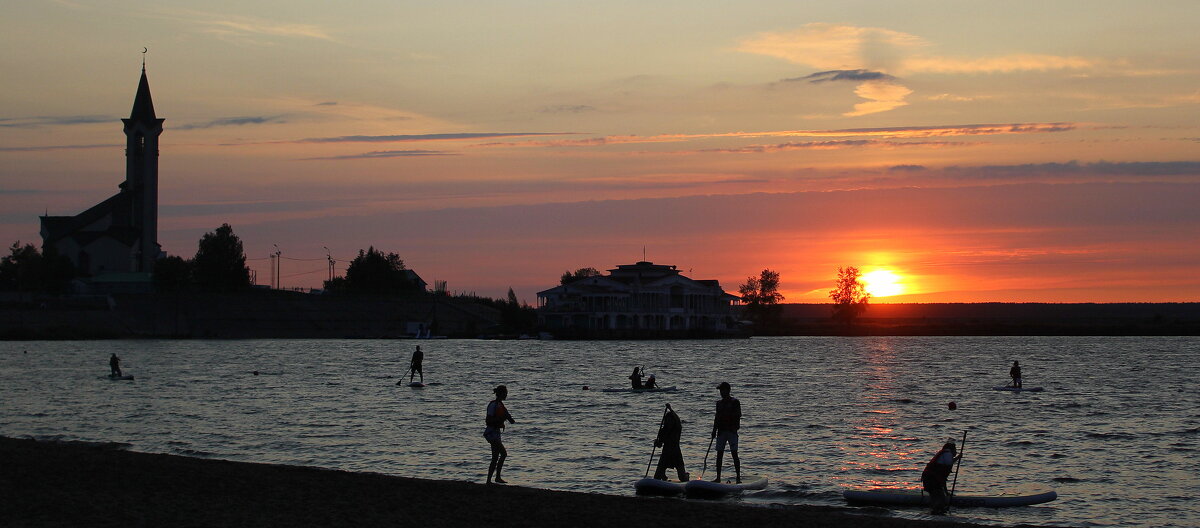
(977, 155)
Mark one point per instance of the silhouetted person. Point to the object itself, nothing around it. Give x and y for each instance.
(636, 378)
(1015, 373)
(114, 363)
(668, 440)
(414, 367)
(496, 415)
(650, 383)
(725, 427)
(933, 478)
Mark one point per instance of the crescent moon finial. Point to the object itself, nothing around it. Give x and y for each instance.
(144, 50)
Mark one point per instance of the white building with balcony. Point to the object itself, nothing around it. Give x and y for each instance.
(642, 300)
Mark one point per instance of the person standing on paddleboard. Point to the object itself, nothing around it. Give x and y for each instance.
(725, 427)
(414, 367)
(668, 440)
(496, 415)
(933, 478)
(114, 364)
(1015, 373)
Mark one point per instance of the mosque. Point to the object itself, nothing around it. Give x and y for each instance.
(116, 240)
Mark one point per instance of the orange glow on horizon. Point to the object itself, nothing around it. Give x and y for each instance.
(883, 283)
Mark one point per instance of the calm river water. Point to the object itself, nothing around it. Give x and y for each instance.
(1116, 432)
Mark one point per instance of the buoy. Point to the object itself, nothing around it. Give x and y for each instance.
(256, 373)
(585, 387)
(953, 406)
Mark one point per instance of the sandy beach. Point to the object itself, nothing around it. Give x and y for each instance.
(77, 484)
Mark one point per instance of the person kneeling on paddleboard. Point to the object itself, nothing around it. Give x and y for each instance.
(635, 379)
(496, 415)
(933, 478)
(668, 440)
(650, 383)
(725, 427)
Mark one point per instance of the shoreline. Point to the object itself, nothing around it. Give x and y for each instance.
(46, 483)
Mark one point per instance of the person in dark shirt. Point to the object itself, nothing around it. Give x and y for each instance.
(636, 378)
(668, 440)
(1015, 373)
(725, 427)
(414, 367)
(114, 364)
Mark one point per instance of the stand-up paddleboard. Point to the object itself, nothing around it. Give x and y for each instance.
(415, 384)
(1017, 389)
(114, 377)
(900, 497)
(653, 486)
(631, 389)
(704, 489)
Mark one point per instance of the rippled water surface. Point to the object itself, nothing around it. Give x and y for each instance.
(1116, 432)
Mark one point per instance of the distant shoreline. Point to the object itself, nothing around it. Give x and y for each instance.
(48, 484)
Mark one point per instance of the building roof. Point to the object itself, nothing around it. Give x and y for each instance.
(143, 104)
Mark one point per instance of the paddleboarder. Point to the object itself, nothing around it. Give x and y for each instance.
(497, 414)
(651, 383)
(636, 378)
(725, 427)
(668, 440)
(114, 364)
(1015, 373)
(414, 367)
(933, 478)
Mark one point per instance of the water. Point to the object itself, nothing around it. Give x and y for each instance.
(1116, 432)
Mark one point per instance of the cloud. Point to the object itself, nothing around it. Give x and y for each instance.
(881, 96)
(56, 147)
(843, 75)
(1137, 168)
(906, 168)
(832, 145)
(327, 103)
(36, 121)
(834, 46)
(401, 138)
(567, 109)
(1001, 64)
(234, 121)
(385, 154)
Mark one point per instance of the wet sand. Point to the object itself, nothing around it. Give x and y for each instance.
(45, 484)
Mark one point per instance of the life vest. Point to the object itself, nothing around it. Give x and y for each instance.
(496, 414)
(935, 471)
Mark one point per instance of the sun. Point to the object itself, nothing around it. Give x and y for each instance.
(882, 283)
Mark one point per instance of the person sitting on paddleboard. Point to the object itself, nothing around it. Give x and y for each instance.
(725, 427)
(414, 367)
(1015, 372)
(114, 364)
(636, 378)
(933, 478)
(650, 383)
(668, 440)
(496, 415)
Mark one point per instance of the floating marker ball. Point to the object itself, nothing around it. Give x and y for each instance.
(256, 373)
(953, 406)
(585, 387)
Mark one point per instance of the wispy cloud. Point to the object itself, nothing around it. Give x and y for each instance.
(401, 138)
(881, 96)
(1074, 168)
(833, 145)
(384, 154)
(251, 26)
(843, 75)
(1000, 64)
(36, 121)
(234, 121)
(567, 109)
(57, 147)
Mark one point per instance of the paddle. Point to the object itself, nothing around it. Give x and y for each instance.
(660, 425)
(961, 445)
(705, 468)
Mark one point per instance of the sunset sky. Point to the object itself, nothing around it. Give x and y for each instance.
(979, 151)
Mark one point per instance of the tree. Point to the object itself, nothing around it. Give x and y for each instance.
(374, 271)
(172, 274)
(579, 274)
(25, 269)
(849, 295)
(761, 297)
(220, 263)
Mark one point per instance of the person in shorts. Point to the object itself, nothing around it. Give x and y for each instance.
(725, 427)
(497, 414)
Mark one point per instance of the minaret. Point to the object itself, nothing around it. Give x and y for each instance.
(141, 174)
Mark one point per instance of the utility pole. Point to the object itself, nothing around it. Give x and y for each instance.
(331, 262)
(278, 267)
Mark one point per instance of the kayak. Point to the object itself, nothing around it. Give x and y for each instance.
(714, 490)
(901, 497)
(631, 389)
(653, 486)
(1018, 389)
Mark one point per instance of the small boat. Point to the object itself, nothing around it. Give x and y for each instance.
(704, 489)
(1010, 388)
(904, 497)
(631, 389)
(653, 486)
